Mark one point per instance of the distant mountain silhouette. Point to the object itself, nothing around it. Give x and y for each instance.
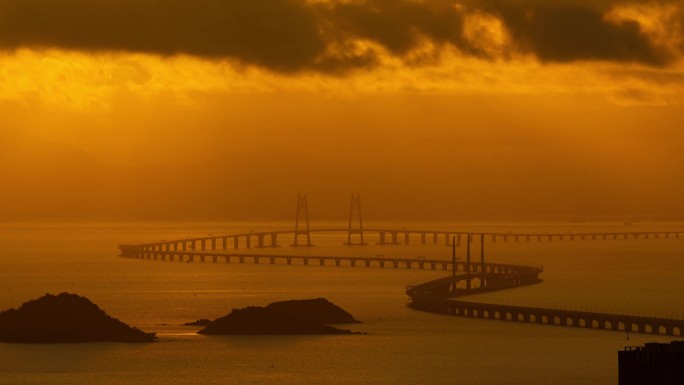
(288, 317)
(199, 322)
(65, 318)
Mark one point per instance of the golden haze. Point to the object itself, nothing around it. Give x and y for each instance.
(425, 133)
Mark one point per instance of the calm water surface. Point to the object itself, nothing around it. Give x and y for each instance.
(402, 346)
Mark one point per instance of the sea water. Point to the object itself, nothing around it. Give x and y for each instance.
(400, 345)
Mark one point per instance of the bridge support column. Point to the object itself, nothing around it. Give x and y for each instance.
(382, 238)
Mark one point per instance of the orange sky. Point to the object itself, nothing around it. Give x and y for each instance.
(430, 109)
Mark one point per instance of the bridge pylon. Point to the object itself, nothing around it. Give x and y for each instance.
(302, 209)
(483, 274)
(351, 231)
(468, 271)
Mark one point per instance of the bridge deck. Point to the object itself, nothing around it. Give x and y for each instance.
(439, 296)
(387, 236)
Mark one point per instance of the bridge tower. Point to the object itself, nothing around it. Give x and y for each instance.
(468, 278)
(453, 265)
(483, 277)
(355, 208)
(302, 209)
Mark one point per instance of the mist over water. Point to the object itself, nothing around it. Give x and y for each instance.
(402, 345)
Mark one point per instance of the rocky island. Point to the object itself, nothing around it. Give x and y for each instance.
(65, 318)
(311, 316)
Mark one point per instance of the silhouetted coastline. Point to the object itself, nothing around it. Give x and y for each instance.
(312, 316)
(65, 318)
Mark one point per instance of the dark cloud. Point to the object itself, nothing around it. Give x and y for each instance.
(296, 35)
(566, 32)
(399, 25)
(277, 34)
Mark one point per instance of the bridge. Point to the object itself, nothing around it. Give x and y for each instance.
(444, 295)
(382, 236)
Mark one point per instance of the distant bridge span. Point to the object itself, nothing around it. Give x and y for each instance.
(383, 236)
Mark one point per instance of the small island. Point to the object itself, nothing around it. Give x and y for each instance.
(312, 316)
(65, 318)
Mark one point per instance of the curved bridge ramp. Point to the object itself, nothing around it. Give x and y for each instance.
(445, 295)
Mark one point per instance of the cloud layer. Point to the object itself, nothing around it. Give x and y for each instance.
(297, 35)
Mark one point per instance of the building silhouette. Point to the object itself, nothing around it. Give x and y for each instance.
(652, 364)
